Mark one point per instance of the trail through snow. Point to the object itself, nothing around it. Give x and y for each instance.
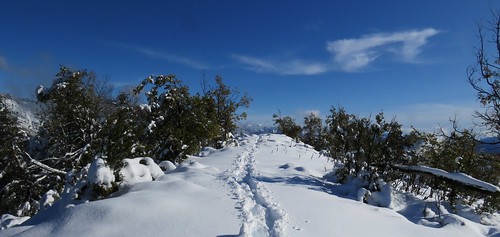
(261, 216)
(269, 186)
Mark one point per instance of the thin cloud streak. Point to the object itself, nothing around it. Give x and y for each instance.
(292, 67)
(355, 54)
(164, 56)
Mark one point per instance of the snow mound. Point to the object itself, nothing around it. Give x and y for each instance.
(141, 169)
(167, 166)
(100, 174)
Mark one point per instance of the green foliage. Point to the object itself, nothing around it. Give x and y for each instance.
(74, 110)
(177, 124)
(80, 120)
(365, 147)
(313, 132)
(227, 102)
(286, 125)
(119, 137)
(17, 184)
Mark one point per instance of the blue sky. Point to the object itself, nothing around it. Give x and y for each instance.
(406, 58)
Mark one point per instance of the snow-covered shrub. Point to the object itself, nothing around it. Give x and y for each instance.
(381, 194)
(362, 144)
(137, 170)
(167, 166)
(100, 174)
(95, 181)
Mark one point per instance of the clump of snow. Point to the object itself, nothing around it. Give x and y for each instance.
(24, 208)
(382, 197)
(167, 166)
(40, 90)
(8, 221)
(145, 107)
(363, 194)
(138, 170)
(100, 174)
(48, 199)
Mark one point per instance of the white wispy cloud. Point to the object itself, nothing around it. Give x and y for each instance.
(156, 54)
(290, 67)
(355, 54)
(348, 55)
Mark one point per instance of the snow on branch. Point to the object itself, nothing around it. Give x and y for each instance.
(461, 178)
(44, 166)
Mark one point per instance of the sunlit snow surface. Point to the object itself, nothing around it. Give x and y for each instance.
(267, 186)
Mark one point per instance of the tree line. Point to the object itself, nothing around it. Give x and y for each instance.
(373, 148)
(81, 119)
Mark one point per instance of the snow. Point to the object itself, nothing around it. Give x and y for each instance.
(139, 170)
(456, 176)
(40, 90)
(167, 166)
(25, 111)
(48, 199)
(7, 221)
(267, 186)
(99, 173)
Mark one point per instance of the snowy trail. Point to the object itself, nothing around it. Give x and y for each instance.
(268, 186)
(260, 215)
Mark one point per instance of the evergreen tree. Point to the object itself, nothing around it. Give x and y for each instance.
(286, 125)
(175, 123)
(365, 147)
(18, 188)
(74, 111)
(227, 102)
(119, 137)
(312, 132)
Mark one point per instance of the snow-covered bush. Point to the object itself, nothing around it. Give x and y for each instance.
(137, 170)
(363, 145)
(167, 166)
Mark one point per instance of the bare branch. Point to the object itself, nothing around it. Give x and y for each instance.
(44, 166)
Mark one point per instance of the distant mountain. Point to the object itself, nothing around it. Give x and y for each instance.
(489, 145)
(25, 109)
(253, 128)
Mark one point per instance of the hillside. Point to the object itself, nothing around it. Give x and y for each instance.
(25, 111)
(267, 186)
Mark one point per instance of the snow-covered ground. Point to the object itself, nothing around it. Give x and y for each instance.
(267, 186)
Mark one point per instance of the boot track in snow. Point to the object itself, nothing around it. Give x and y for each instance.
(260, 215)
